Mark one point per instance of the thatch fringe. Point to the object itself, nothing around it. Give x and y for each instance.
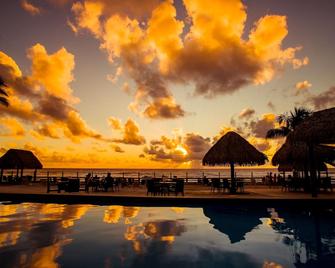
(19, 159)
(232, 148)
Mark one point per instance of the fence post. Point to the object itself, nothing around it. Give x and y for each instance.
(48, 183)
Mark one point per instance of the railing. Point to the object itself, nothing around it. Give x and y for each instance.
(189, 176)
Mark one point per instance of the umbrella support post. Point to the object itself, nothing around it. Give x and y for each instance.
(233, 182)
(312, 171)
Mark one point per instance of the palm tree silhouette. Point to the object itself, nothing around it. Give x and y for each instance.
(3, 93)
(288, 122)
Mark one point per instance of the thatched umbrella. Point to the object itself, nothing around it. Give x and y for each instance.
(296, 155)
(232, 149)
(19, 160)
(317, 129)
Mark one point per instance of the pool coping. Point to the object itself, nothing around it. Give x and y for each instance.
(166, 200)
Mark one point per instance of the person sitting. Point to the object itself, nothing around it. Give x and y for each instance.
(108, 182)
(87, 182)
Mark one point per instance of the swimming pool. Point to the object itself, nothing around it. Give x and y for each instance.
(52, 235)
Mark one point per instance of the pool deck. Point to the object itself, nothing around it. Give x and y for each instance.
(194, 195)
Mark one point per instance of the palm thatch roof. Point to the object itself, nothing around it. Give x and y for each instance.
(232, 148)
(320, 166)
(19, 159)
(296, 154)
(319, 128)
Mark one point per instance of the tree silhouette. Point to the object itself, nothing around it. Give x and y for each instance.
(3, 93)
(288, 122)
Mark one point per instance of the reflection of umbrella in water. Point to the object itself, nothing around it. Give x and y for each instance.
(234, 222)
(232, 149)
(314, 229)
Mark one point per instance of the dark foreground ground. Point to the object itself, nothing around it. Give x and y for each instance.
(194, 195)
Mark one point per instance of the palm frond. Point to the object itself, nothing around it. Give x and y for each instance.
(277, 132)
(3, 92)
(4, 101)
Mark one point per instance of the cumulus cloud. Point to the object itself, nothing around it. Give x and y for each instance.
(46, 130)
(11, 127)
(323, 100)
(212, 53)
(117, 149)
(246, 113)
(54, 72)
(115, 123)
(44, 98)
(179, 149)
(303, 85)
(260, 127)
(30, 8)
(130, 131)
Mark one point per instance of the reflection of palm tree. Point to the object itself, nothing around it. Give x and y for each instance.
(288, 122)
(3, 93)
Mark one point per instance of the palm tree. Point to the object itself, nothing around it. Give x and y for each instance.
(288, 122)
(3, 93)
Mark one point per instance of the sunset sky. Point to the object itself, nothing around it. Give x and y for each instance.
(146, 84)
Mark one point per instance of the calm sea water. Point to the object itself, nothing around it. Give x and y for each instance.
(59, 235)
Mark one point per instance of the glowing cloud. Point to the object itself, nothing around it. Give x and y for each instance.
(45, 99)
(212, 54)
(30, 8)
(130, 132)
(303, 85)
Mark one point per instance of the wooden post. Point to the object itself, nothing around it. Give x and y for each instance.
(186, 177)
(35, 171)
(48, 183)
(77, 175)
(21, 172)
(62, 174)
(313, 170)
(232, 175)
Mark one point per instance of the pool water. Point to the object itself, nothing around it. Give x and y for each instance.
(60, 235)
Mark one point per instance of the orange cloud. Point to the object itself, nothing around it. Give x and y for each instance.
(246, 113)
(261, 126)
(303, 85)
(45, 98)
(130, 132)
(212, 54)
(46, 130)
(53, 72)
(11, 127)
(115, 123)
(30, 8)
(180, 149)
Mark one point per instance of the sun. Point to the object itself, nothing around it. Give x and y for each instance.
(181, 149)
